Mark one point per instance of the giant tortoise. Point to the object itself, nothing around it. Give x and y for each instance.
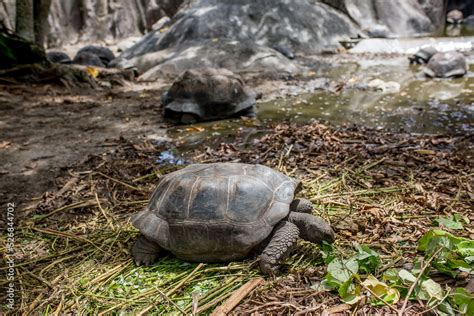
(208, 94)
(226, 211)
(445, 65)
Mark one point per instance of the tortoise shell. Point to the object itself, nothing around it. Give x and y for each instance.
(216, 212)
(104, 53)
(445, 65)
(209, 94)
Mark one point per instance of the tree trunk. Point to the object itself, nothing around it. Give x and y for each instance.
(24, 19)
(41, 12)
(5, 20)
(102, 19)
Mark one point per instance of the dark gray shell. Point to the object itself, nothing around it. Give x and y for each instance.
(104, 53)
(216, 212)
(445, 65)
(209, 94)
(87, 59)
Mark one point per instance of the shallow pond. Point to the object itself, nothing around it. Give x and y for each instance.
(418, 104)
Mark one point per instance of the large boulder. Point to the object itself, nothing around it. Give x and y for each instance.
(239, 34)
(157, 9)
(238, 56)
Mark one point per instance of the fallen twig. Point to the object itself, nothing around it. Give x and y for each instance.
(237, 296)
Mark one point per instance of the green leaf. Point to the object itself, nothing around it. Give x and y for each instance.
(464, 301)
(338, 272)
(327, 252)
(430, 290)
(346, 288)
(446, 309)
(406, 276)
(465, 248)
(452, 222)
(351, 299)
(391, 275)
(368, 259)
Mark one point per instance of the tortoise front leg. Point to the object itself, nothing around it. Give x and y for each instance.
(301, 206)
(283, 239)
(145, 252)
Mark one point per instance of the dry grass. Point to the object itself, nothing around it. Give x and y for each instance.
(376, 188)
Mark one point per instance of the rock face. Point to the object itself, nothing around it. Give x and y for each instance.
(240, 35)
(92, 20)
(156, 9)
(400, 17)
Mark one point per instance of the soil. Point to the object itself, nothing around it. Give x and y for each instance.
(45, 129)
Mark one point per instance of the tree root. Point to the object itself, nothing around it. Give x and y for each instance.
(63, 75)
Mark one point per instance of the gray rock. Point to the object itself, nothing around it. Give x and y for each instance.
(401, 17)
(239, 57)
(157, 9)
(469, 21)
(240, 35)
(378, 31)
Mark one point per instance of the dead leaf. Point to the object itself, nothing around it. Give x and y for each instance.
(195, 129)
(92, 71)
(5, 145)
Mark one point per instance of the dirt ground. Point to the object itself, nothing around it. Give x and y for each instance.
(45, 129)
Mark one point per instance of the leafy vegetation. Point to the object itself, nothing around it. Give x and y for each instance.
(443, 252)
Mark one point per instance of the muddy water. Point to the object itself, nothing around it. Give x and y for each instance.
(421, 105)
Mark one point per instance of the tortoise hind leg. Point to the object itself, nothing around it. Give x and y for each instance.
(284, 238)
(301, 206)
(145, 252)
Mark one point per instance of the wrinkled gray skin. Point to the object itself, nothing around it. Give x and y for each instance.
(226, 211)
(59, 57)
(445, 65)
(423, 55)
(208, 94)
